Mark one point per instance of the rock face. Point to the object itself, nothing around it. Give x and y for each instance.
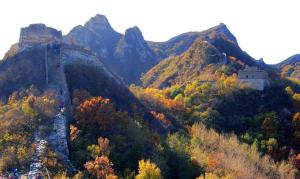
(128, 56)
(133, 55)
(96, 35)
(38, 34)
(98, 24)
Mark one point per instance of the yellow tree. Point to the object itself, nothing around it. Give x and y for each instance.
(148, 170)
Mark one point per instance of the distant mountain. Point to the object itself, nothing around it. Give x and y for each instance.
(213, 51)
(219, 36)
(127, 55)
(290, 67)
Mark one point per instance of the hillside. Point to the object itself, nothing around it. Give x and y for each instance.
(199, 62)
(290, 67)
(200, 107)
(197, 56)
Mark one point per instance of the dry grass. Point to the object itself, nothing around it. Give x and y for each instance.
(226, 156)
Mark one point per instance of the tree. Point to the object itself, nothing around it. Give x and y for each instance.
(148, 170)
(296, 126)
(101, 149)
(101, 168)
(270, 125)
(289, 91)
(96, 112)
(296, 98)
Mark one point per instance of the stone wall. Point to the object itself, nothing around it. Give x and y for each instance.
(38, 34)
(258, 84)
(254, 78)
(252, 73)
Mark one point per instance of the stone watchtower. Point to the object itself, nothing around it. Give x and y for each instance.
(48, 42)
(254, 78)
(38, 34)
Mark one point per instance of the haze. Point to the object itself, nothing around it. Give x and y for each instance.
(268, 29)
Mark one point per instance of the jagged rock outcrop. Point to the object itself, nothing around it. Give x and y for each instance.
(128, 55)
(38, 34)
(133, 55)
(96, 35)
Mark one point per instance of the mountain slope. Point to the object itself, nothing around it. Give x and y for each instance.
(290, 67)
(199, 61)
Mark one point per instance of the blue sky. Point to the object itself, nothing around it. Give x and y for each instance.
(268, 29)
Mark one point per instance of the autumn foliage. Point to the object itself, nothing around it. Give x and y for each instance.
(96, 111)
(101, 168)
(148, 170)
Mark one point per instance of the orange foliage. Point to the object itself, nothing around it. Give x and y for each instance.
(214, 161)
(101, 168)
(94, 111)
(104, 146)
(99, 111)
(73, 132)
(297, 162)
(296, 126)
(154, 95)
(161, 118)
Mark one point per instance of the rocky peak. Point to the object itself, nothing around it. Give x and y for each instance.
(222, 29)
(134, 34)
(38, 34)
(133, 37)
(98, 24)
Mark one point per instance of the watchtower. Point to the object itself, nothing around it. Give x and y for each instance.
(254, 78)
